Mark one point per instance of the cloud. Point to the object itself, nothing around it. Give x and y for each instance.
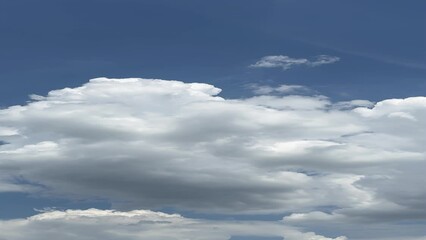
(282, 89)
(286, 62)
(323, 59)
(140, 224)
(153, 144)
(403, 62)
(326, 223)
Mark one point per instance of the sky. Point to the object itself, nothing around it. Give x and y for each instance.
(241, 120)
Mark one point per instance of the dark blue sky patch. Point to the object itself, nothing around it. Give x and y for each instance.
(53, 44)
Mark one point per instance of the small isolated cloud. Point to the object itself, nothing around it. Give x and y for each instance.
(286, 62)
(323, 59)
(282, 89)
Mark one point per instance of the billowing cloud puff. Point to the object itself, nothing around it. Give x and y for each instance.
(140, 224)
(153, 144)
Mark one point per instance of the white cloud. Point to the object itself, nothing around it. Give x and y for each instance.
(7, 132)
(140, 224)
(144, 143)
(353, 104)
(282, 89)
(286, 62)
(357, 229)
(323, 59)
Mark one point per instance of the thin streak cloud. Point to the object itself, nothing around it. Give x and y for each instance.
(286, 62)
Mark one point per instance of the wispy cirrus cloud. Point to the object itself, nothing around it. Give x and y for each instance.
(375, 56)
(286, 62)
(282, 89)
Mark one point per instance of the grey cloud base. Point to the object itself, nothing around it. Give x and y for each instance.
(140, 224)
(154, 144)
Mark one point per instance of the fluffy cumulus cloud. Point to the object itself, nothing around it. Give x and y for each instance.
(154, 144)
(141, 224)
(286, 62)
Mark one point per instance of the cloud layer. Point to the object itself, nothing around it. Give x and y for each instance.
(153, 144)
(286, 62)
(140, 225)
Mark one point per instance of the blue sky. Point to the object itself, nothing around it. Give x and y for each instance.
(52, 44)
(328, 62)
